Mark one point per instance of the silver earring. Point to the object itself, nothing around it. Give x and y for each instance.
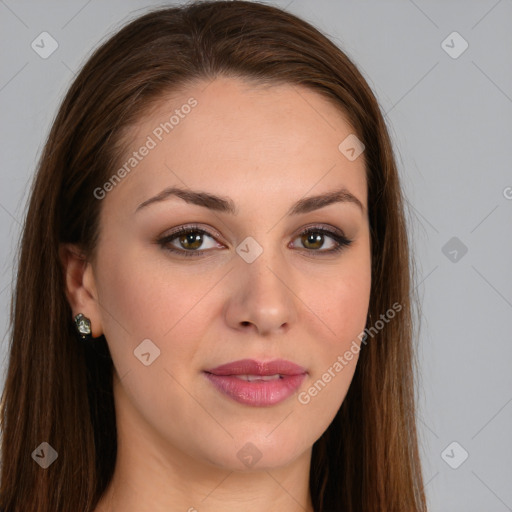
(83, 326)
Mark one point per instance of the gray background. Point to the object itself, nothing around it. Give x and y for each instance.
(450, 119)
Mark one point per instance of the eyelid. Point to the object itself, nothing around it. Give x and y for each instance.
(208, 230)
(214, 233)
(321, 227)
(336, 234)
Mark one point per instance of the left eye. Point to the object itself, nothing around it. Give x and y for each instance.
(314, 239)
(192, 238)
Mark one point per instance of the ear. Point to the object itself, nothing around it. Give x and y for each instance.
(80, 286)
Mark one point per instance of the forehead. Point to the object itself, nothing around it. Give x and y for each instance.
(229, 132)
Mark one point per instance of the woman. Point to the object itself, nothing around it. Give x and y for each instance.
(212, 306)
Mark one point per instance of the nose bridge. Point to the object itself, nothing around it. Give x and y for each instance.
(264, 275)
(262, 295)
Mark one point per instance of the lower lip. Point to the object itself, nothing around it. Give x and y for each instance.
(258, 393)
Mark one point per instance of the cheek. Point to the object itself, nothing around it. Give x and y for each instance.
(343, 308)
(340, 300)
(349, 301)
(146, 300)
(342, 311)
(147, 296)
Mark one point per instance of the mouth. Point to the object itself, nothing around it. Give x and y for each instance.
(257, 383)
(252, 378)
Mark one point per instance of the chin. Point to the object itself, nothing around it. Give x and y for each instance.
(259, 451)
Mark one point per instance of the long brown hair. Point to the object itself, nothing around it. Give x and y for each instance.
(60, 392)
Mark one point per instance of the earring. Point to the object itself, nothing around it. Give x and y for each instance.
(83, 326)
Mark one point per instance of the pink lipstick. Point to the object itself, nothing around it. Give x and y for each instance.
(257, 383)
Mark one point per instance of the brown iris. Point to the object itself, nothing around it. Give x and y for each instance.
(312, 238)
(194, 240)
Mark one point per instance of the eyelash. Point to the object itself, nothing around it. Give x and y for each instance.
(340, 240)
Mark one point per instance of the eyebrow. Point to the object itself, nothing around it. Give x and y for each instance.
(226, 205)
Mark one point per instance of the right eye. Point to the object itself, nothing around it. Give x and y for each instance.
(190, 239)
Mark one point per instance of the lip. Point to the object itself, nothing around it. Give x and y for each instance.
(257, 393)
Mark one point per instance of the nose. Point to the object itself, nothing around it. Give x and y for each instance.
(261, 297)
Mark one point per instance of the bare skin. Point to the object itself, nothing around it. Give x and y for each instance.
(179, 438)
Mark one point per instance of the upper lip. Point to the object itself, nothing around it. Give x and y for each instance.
(253, 367)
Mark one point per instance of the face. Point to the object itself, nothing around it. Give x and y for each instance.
(274, 279)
